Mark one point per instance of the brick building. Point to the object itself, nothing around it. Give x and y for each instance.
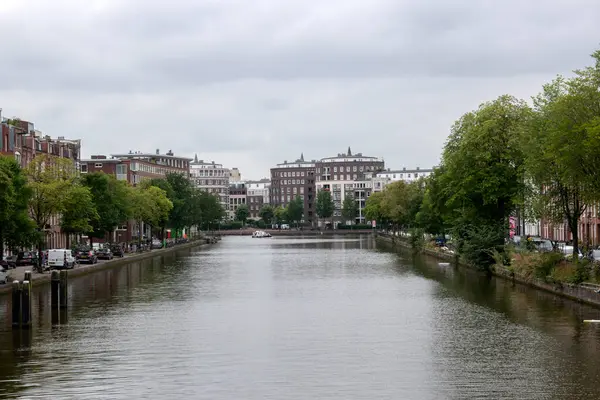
(22, 141)
(289, 180)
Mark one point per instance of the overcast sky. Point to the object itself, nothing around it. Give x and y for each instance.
(250, 83)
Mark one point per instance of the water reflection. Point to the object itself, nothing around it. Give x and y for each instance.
(299, 318)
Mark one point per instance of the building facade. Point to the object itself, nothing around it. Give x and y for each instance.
(237, 197)
(21, 140)
(406, 175)
(297, 178)
(257, 195)
(345, 175)
(212, 178)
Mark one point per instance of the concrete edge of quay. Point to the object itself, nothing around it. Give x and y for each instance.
(44, 279)
(579, 293)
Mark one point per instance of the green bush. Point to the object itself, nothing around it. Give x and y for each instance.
(547, 263)
(357, 226)
(231, 226)
(582, 272)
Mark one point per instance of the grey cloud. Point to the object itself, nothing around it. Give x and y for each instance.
(257, 82)
(157, 46)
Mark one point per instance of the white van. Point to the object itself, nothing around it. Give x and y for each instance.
(61, 258)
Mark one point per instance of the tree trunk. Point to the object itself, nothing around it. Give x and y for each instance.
(573, 226)
(68, 241)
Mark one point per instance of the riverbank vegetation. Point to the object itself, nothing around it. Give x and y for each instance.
(537, 159)
(95, 204)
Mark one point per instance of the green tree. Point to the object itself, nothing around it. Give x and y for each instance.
(50, 179)
(349, 208)
(295, 210)
(241, 214)
(373, 210)
(149, 205)
(280, 214)
(395, 204)
(324, 205)
(483, 163)
(111, 198)
(181, 216)
(431, 216)
(267, 213)
(16, 227)
(79, 212)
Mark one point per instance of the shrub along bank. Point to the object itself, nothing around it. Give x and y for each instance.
(548, 271)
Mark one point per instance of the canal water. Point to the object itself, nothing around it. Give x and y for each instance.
(300, 318)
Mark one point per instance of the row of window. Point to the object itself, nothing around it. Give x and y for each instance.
(289, 174)
(211, 182)
(341, 177)
(360, 168)
(210, 172)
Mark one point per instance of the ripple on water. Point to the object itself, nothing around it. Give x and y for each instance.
(303, 319)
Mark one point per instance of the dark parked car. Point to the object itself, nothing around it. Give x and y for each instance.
(104, 254)
(86, 255)
(117, 250)
(26, 258)
(9, 262)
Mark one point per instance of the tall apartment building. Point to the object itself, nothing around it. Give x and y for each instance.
(297, 178)
(257, 194)
(22, 141)
(212, 178)
(345, 175)
(135, 167)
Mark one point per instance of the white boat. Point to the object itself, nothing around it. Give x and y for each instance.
(261, 234)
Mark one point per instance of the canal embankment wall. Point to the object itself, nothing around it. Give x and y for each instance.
(582, 293)
(81, 270)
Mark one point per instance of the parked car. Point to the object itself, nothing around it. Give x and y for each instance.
(86, 255)
(568, 252)
(156, 244)
(3, 277)
(8, 262)
(104, 254)
(26, 258)
(117, 250)
(61, 259)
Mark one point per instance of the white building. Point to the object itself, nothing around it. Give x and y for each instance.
(212, 178)
(406, 175)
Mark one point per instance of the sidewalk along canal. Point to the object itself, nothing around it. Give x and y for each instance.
(83, 269)
(583, 293)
